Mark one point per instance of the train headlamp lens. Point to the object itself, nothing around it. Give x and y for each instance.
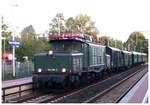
(63, 70)
(39, 70)
(50, 52)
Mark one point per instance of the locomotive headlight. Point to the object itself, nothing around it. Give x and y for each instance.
(39, 70)
(50, 52)
(63, 70)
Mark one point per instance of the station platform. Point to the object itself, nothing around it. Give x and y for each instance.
(139, 93)
(8, 83)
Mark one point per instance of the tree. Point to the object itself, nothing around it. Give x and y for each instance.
(119, 44)
(108, 41)
(79, 24)
(82, 24)
(57, 24)
(104, 40)
(137, 42)
(7, 35)
(28, 33)
(71, 25)
(30, 44)
(145, 48)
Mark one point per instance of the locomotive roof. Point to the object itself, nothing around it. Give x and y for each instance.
(79, 40)
(60, 54)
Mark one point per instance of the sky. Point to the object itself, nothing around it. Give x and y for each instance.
(114, 18)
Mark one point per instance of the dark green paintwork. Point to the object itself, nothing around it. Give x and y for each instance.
(116, 57)
(85, 51)
(56, 62)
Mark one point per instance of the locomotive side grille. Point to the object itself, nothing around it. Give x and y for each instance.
(77, 64)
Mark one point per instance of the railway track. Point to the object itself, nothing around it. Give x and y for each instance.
(85, 94)
(116, 92)
(77, 95)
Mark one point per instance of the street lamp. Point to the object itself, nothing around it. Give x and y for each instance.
(13, 38)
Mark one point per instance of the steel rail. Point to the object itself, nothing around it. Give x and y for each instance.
(118, 99)
(93, 99)
(84, 88)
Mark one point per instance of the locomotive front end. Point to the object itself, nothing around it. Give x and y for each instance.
(51, 69)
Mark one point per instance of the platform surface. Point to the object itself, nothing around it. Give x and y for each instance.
(8, 83)
(139, 93)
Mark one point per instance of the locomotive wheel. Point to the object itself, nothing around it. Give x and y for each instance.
(93, 77)
(97, 76)
(42, 85)
(117, 70)
(108, 72)
(76, 84)
(83, 80)
(102, 74)
(89, 80)
(35, 86)
(64, 86)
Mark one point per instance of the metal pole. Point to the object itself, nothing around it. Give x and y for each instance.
(28, 67)
(14, 72)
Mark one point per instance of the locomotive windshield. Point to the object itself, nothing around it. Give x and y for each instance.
(67, 46)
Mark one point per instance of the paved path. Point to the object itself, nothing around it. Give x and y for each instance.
(16, 82)
(138, 94)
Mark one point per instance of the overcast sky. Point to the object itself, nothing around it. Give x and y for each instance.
(115, 18)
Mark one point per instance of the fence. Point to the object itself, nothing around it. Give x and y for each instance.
(16, 90)
(23, 69)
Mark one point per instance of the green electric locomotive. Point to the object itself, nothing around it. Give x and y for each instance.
(75, 59)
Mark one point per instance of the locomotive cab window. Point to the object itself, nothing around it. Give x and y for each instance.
(68, 46)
